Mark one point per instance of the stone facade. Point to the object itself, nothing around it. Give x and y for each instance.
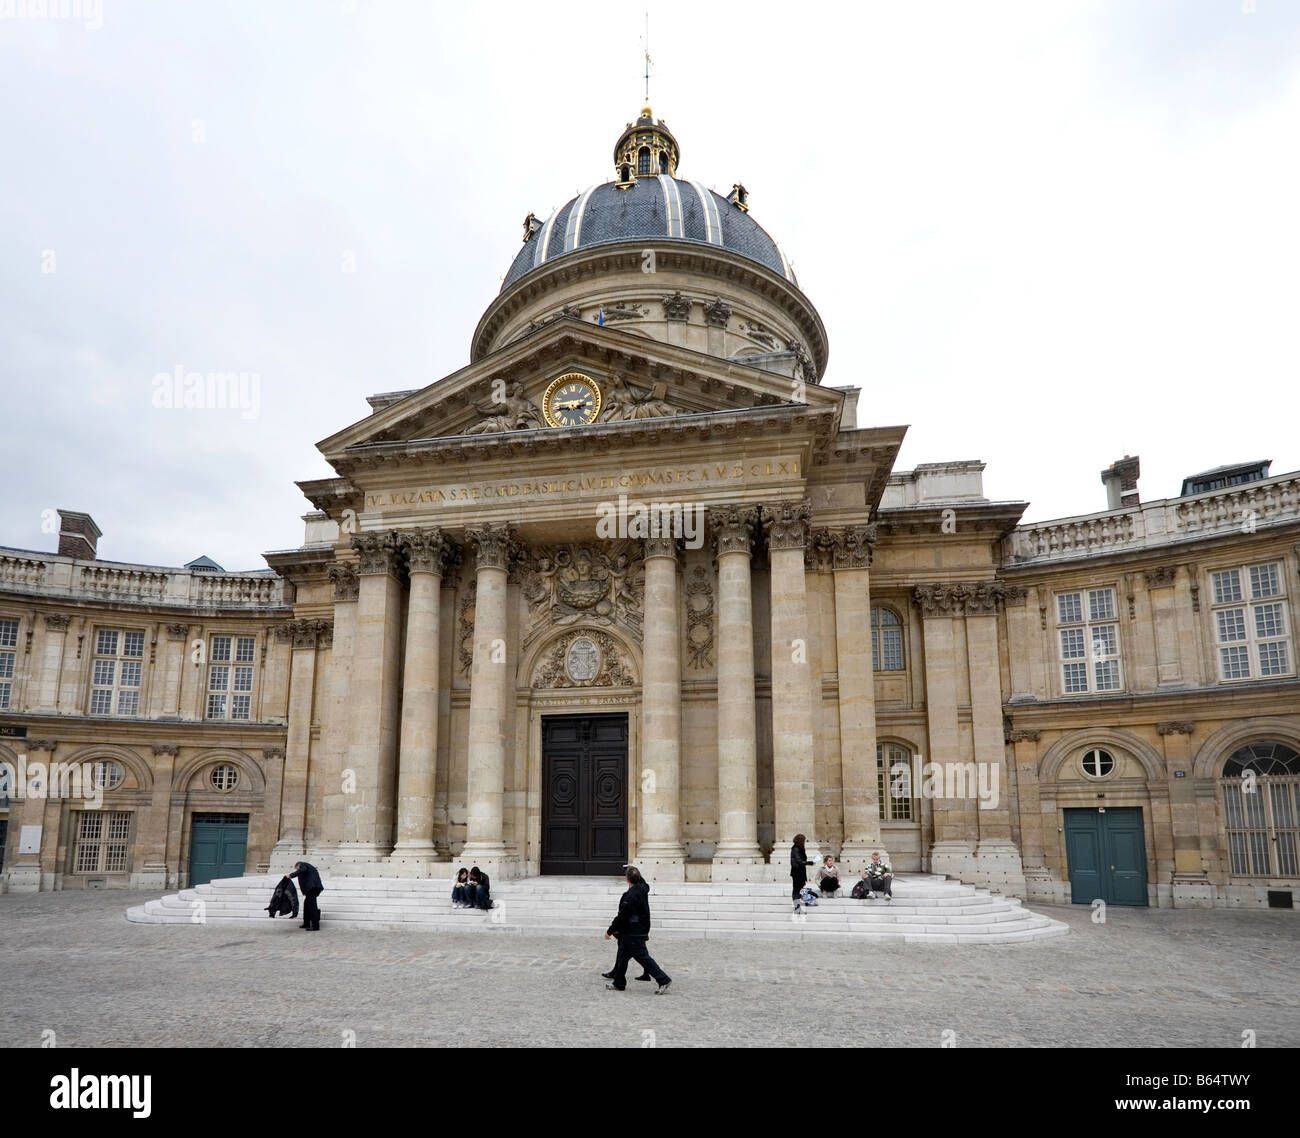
(816, 643)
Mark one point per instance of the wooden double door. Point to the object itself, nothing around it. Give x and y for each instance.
(584, 794)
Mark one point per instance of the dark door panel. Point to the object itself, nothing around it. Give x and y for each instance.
(584, 794)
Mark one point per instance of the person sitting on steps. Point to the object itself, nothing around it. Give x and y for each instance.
(460, 890)
(479, 889)
(880, 877)
(828, 877)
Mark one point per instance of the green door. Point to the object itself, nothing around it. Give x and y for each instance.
(218, 844)
(1105, 853)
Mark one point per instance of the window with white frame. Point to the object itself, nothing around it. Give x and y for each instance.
(8, 644)
(230, 677)
(103, 841)
(894, 783)
(1087, 630)
(886, 641)
(1251, 632)
(116, 672)
(1261, 804)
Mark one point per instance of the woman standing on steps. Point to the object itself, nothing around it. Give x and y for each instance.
(799, 864)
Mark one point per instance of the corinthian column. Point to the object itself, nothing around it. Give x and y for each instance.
(660, 838)
(417, 757)
(373, 699)
(488, 693)
(851, 552)
(733, 531)
(786, 526)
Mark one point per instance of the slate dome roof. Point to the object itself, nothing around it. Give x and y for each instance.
(653, 207)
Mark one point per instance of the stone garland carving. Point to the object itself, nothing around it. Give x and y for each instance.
(611, 670)
(377, 553)
(1160, 577)
(465, 627)
(172, 749)
(979, 598)
(621, 402)
(624, 311)
(786, 524)
(761, 335)
(717, 312)
(495, 547)
(677, 307)
(345, 579)
(732, 528)
(699, 618)
(1176, 727)
(562, 584)
(513, 413)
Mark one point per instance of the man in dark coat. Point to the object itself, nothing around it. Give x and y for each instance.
(632, 927)
(480, 889)
(312, 887)
(284, 901)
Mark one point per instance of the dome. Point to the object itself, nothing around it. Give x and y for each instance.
(648, 202)
(654, 207)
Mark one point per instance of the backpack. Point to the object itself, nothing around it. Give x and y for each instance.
(807, 895)
(860, 891)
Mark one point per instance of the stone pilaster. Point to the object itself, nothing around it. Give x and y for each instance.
(56, 635)
(304, 636)
(488, 695)
(659, 848)
(851, 553)
(373, 700)
(426, 553)
(344, 577)
(786, 527)
(737, 848)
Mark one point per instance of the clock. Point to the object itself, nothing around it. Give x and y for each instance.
(573, 400)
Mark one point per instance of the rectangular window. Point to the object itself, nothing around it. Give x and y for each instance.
(1089, 644)
(116, 672)
(8, 639)
(1251, 632)
(103, 841)
(229, 683)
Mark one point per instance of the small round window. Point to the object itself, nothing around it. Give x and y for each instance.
(106, 775)
(225, 777)
(1098, 763)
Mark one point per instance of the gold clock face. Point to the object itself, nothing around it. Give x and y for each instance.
(573, 400)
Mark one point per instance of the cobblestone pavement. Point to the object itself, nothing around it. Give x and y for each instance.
(1147, 978)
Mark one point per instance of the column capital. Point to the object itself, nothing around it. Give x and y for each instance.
(42, 745)
(1176, 727)
(661, 547)
(427, 551)
(733, 529)
(377, 553)
(787, 524)
(272, 753)
(495, 546)
(172, 749)
(975, 598)
(57, 621)
(307, 633)
(177, 631)
(346, 580)
(1023, 735)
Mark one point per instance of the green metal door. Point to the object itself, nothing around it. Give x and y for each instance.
(1105, 855)
(218, 845)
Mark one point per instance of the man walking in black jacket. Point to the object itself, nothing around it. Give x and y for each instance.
(632, 927)
(312, 887)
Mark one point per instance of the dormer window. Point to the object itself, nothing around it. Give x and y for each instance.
(739, 197)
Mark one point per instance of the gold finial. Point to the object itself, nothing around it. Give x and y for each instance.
(646, 112)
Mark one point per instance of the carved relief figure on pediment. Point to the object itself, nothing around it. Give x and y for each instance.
(513, 413)
(622, 402)
(581, 659)
(565, 583)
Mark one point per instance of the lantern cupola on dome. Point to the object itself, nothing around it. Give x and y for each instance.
(645, 148)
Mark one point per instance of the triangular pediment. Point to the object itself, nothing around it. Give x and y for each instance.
(639, 380)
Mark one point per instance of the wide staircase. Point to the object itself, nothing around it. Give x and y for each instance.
(925, 909)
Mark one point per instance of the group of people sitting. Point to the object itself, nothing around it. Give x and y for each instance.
(877, 879)
(471, 890)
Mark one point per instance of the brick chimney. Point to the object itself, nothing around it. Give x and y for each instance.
(1121, 482)
(78, 535)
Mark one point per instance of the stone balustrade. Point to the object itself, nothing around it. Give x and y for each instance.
(1245, 508)
(52, 576)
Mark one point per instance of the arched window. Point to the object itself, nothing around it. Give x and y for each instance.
(643, 160)
(886, 641)
(625, 173)
(663, 161)
(894, 783)
(1261, 803)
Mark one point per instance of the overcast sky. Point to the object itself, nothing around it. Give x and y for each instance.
(1042, 235)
